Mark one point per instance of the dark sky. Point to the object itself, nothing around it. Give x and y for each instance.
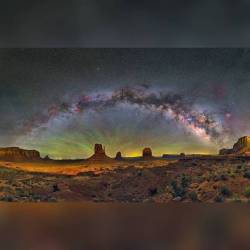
(125, 23)
(39, 87)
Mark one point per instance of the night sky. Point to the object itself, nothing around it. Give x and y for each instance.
(124, 23)
(62, 101)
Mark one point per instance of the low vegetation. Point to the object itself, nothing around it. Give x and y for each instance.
(133, 181)
(247, 191)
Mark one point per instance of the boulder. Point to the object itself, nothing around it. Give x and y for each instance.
(178, 198)
(18, 154)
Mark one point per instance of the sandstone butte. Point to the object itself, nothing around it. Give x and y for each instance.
(241, 147)
(99, 154)
(147, 153)
(118, 156)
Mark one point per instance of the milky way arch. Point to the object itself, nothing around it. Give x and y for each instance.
(170, 105)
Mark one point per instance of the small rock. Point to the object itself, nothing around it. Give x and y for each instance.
(194, 185)
(178, 198)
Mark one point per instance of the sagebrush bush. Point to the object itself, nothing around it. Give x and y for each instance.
(223, 177)
(185, 181)
(247, 192)
(177, 190)
(247, 174)
(225, 191)
(193, 196)
(218, 198)
(239, 167)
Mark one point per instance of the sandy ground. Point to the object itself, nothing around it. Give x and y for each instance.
(76, 167)
(132, 180)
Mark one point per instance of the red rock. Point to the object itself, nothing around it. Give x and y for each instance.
(241, 147)
(99, 154)
(47, 158)
(18, 154)
(147, 153)
(118, 156)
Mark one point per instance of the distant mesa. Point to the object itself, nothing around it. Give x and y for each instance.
(147, 153)
(18, 154)
(241, 147)
(99, 154)
(118, 156)
(174, 156)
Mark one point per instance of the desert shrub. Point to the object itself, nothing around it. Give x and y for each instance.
(193, 196)
(7, 198)
(21, 193)
(173, 184)
(232, 175)
(216, 178)
(36, 197)
(225, 191)
(185, 181)
(180, 189)
(176, 189)
(223, 177)
(194, 163)
(209, 176)
(247, 174)
(239, 167)
(52, 199)
(218, 198)
(55, 188)
(153, 191)
(237, 171)
(247, 192)
(236, 198)
(139, 173)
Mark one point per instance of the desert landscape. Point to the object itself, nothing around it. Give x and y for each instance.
(25, 176)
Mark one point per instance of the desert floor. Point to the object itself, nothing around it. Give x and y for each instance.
(78, 166)
(156, 180)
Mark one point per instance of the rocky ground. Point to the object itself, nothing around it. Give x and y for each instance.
(186, 180)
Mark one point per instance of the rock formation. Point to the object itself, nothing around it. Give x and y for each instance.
(18, 154)
(99, 153)
(147, 153)
(225, 151)
(174, 156)
(241, 147)
(47, 158)
(118, 156)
